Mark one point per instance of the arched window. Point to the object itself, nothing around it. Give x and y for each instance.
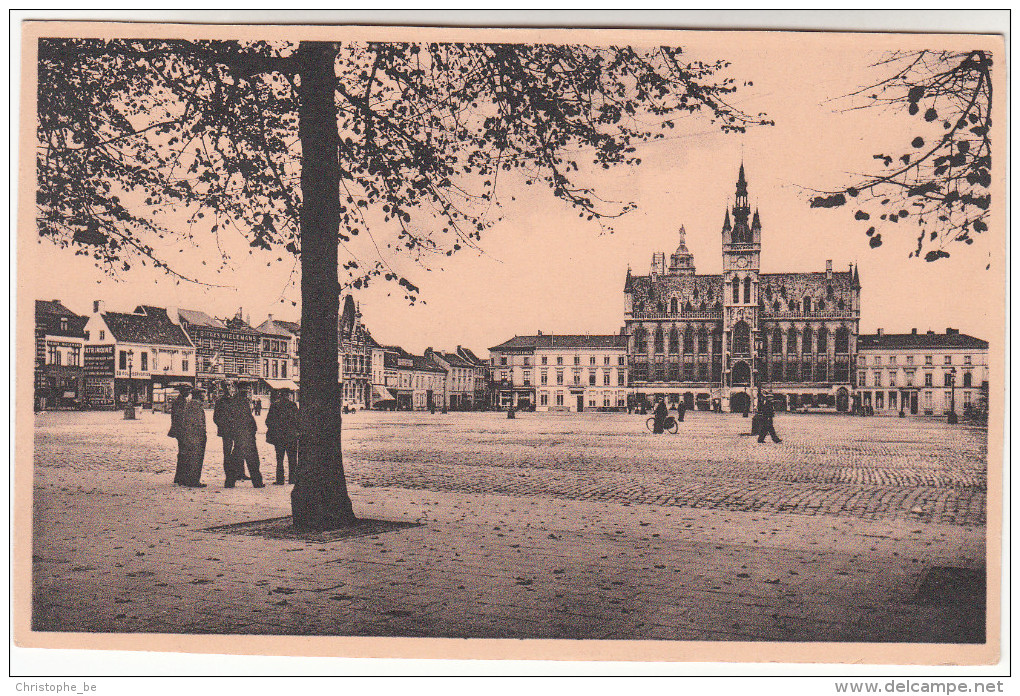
(695, 293)
(662, 307)
(823, 340)
(674, 340)
(791, 340)
(741, 338)
(841, 304)
(702, 306)
(775, 306)
(658, 339)
(640, 306)
(747, 291)
(672, 305)
(807, 305)
(842, 340)
(702, 340)
(736, 289)
(793, 306)
(641, 339)
(821, 305)
(777, 341)
(717, 341)
(688, 340)
(741, 373)
(687, 306)
(806, 346)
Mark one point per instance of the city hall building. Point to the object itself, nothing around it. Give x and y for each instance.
(714, 340)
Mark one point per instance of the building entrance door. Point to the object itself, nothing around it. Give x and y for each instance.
(913, 403)
(580, 402)
(739, 402)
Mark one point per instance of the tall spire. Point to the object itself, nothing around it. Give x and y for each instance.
(756, 223)
(726, 222)
(741, 182)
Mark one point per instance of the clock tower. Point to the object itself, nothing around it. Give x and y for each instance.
(741, 250)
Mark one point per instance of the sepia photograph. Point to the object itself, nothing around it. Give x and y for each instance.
(621, 344)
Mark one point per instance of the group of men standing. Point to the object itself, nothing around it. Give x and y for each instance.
(236, 427)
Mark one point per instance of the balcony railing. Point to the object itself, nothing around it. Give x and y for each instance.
(682, 314)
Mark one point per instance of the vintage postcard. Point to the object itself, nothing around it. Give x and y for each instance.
(579, 344)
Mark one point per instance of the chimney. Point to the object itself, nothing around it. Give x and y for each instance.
(952, 332)
(98, 306)
(828, 269)
(913, 332)
(540, 332)
(270, 318)
(930, 332)
(878, 332)
(174, 313)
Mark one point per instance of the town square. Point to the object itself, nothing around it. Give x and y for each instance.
(547, 525)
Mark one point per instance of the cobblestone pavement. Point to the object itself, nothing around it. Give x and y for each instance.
(569, 526)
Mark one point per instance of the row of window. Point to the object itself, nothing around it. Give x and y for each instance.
(880, 400)
(606, 398)
(804, 306)
(948, 379)
(63, 355)
(928, 359)
(621, 377)
(126, 361)
(544, 360)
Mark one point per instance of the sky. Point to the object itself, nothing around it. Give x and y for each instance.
(541, 267)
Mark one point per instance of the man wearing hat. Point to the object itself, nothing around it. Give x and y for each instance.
(224, 430)
(242, 426)
(282, 432)
(176, 407)
(193, 437)
(766, 411)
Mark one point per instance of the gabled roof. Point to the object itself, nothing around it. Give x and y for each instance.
(199, 318)
(468, 355)
(930, 340)
(292, 326)
(563, 341)
(455, 360)
(423, 364)
(51, 311)
(151, 326)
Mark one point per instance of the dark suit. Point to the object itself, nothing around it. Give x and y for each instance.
(191, 440)
(221, 417)
(180, 477)
(766, 413)
(282, 432)
(242, 425)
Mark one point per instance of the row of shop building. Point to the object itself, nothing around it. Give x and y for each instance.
(111, 359)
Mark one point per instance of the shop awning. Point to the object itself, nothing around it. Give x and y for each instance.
(382, 394)
(281, 383)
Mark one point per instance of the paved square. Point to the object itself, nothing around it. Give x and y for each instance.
(550, 525)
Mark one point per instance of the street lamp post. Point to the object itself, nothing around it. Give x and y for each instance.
(129, 410)
(952, 418)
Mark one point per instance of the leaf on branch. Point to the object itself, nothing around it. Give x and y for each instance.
(861, 215)
(935, 255)
(833, 201)
(917, 142)
(876, 241)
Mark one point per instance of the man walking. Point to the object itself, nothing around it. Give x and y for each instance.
(243, 427)
(767, 413)
(282, 433)
(681, 408)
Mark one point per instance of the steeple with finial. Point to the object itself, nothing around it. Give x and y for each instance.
(682, 260)
(741, 211)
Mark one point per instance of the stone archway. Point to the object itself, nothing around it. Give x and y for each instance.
(741, 374)
(842, 399)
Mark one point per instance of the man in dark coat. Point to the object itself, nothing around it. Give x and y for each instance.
(681, 408)
(243, 427)
(221, 417)
(176, 407)
(766, 413)
(193, 438)
(661, 412)
(282, 433)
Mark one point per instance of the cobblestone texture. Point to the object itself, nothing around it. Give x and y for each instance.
(566, 526)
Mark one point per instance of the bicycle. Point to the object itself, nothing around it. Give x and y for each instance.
(669, 425)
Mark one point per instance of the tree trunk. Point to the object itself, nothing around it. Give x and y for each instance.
(319, 499)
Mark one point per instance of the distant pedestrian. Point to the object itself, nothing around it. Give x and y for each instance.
(258, 407)
(681, 408)
(747, 404)
(767, 413)
(192, 440)
(243, 426)
(660, 414)
(224, 430)
(282, 433)
(176, 408)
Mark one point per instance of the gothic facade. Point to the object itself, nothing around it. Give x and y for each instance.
(716, 340)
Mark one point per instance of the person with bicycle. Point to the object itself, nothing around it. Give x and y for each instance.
(660, 414)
